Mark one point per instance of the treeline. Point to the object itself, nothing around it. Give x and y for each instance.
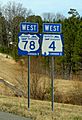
(66, 66)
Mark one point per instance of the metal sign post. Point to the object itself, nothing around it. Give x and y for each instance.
(52, 45)
(28, 44)
(52, 81)
(28, 82)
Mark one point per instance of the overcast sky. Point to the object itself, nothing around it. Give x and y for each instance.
(53, 6)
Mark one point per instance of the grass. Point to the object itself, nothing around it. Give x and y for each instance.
(40, 110)
(66, 91)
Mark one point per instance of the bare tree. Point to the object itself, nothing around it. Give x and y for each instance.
(0, 10)
(13, 9)
(58, 16)
(48, 17)
(51, 17)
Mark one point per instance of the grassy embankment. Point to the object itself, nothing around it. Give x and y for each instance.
(40, 110)
(65, 90)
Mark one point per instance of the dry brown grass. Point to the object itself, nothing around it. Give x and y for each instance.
(66, 91)
(40, 110)
(8, 68)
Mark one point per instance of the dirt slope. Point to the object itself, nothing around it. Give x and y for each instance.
(16, 74)
(9, 71)
(8, 68)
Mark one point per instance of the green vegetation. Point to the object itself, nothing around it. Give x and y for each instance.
(70, 63)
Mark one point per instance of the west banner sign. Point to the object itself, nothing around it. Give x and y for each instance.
(28, 27)
(51, 27)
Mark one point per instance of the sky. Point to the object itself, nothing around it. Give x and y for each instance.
(39, 7)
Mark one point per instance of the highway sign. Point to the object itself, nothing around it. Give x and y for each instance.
(51, 27)
(27, 27)
(52, 45)
(28, 44)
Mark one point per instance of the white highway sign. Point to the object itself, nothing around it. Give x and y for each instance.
(28, 44)
(52, 45)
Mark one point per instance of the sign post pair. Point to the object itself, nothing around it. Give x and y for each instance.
(31, 44)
